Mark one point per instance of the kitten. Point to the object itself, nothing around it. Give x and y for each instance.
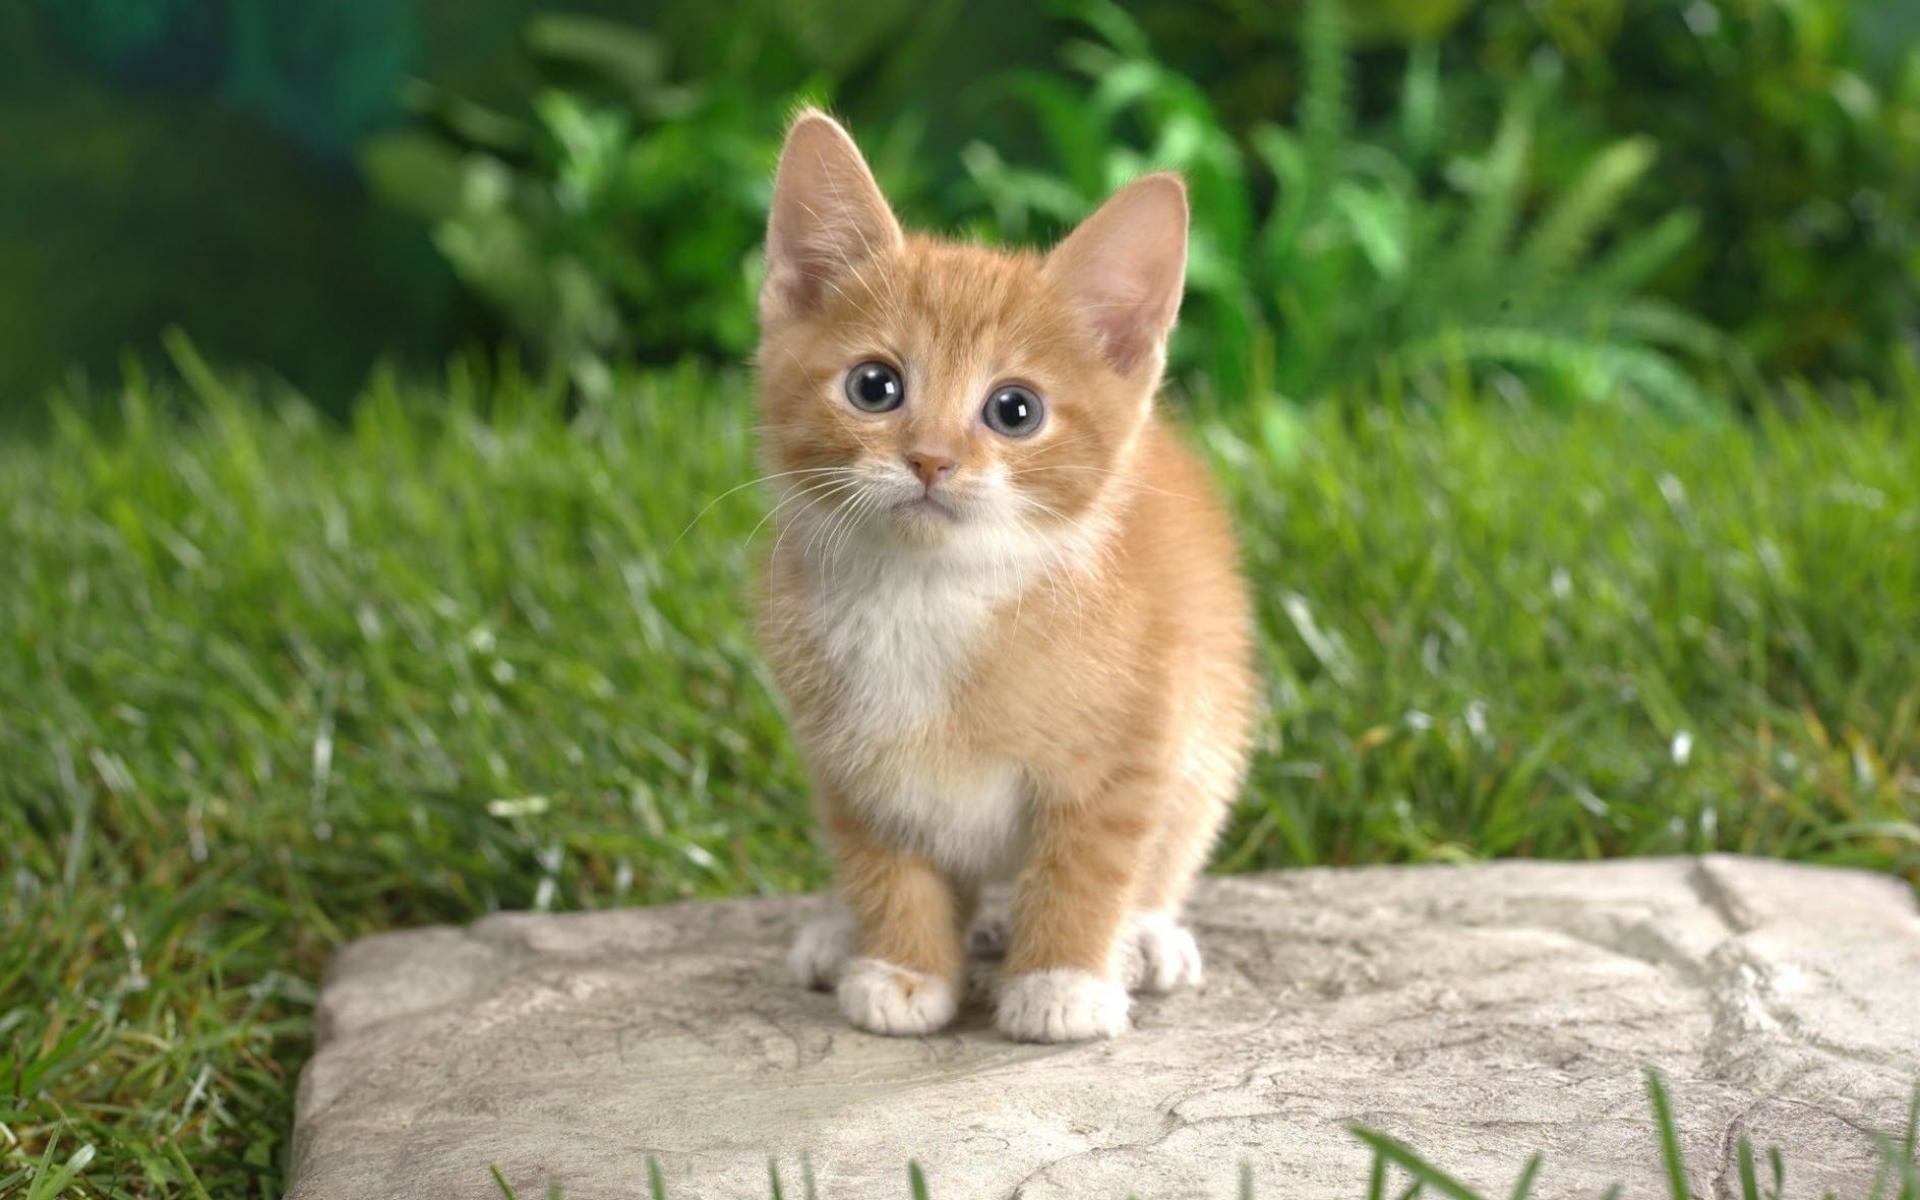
(1002, 605)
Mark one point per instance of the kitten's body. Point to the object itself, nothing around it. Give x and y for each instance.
(929, 691)
(1037, 670)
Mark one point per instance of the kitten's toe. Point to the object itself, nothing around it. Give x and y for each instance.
(820, 951)
(880, 997)
(1159, 954)
(988, 938)
(1062, 1006)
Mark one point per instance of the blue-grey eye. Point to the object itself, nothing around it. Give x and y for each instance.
(875, 387)
(1014, 411)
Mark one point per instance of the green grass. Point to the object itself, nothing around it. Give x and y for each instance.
(267, 683)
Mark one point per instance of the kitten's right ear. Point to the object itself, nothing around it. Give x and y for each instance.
(1125, 265)
(828, 216)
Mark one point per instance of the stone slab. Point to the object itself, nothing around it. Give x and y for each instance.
(1481, 1013)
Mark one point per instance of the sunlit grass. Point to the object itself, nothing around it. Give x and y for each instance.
(267, 683)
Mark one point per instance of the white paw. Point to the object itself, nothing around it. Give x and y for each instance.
(988, 938)
(882, 998)
(1061, 1006)
(1158, 954)
(820, 951)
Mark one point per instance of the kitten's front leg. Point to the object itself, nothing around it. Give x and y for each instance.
(1061, 981)
(907, 972)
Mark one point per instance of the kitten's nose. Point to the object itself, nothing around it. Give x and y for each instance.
(930, 467)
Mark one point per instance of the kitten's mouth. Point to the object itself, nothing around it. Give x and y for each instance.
(927, 506)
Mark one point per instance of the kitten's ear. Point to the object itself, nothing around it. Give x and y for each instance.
(1124, 267)
(828, 216)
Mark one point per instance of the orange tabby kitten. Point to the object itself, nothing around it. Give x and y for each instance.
(1003, 605)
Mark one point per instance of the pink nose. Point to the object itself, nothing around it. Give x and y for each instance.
(931, 468)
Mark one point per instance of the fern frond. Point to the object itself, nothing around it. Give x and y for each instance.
(1565, 233)
(1496, 187)
(1286, 159)
(1115, 25)
(1076, 134)
(1326, 107)
(1599, 371)
(1638, 257)
(1420, 112)
(1662, 323)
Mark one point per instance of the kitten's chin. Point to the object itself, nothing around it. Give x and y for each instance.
(925, 521)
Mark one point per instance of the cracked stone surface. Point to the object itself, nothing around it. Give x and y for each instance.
(1481, 1013)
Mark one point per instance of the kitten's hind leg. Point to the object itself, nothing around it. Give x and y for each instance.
(989, 926)
(988, 937)
(1159, 953)
(821, 949)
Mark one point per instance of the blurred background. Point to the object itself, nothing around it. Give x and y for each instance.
(1664, 201)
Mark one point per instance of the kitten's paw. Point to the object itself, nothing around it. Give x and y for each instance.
(1061, 1006)
(820, 952)
(988, 938)
(880, 997)
(1159, 954)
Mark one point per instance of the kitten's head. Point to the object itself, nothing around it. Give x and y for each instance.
(943, 395)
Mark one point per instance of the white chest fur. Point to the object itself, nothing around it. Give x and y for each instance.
(969, 817)
(897, 636)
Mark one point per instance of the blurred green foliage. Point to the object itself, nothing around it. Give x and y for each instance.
(1332, 255)
(189, 162)
(619, 216)
(600, 226)
(1598, 200)
(1792, 126)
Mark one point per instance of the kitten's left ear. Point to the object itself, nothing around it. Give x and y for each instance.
(1124, 267)
(828, 216)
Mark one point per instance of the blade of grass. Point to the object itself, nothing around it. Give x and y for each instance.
(1402, 1156)
(500, 1181)
(196, 1188)
(1749, 1181)
(50, 1183)
(1523, 1186)
(1669, 1137)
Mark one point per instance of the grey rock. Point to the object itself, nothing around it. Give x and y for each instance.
(1479, 1013)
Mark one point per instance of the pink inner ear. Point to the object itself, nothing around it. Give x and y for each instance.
(823, 247)
(1129, 309)
(801, 276)
(1124, 267)
(1124, 321)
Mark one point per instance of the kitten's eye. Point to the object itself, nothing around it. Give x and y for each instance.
(875, 387)
(1014, 411)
